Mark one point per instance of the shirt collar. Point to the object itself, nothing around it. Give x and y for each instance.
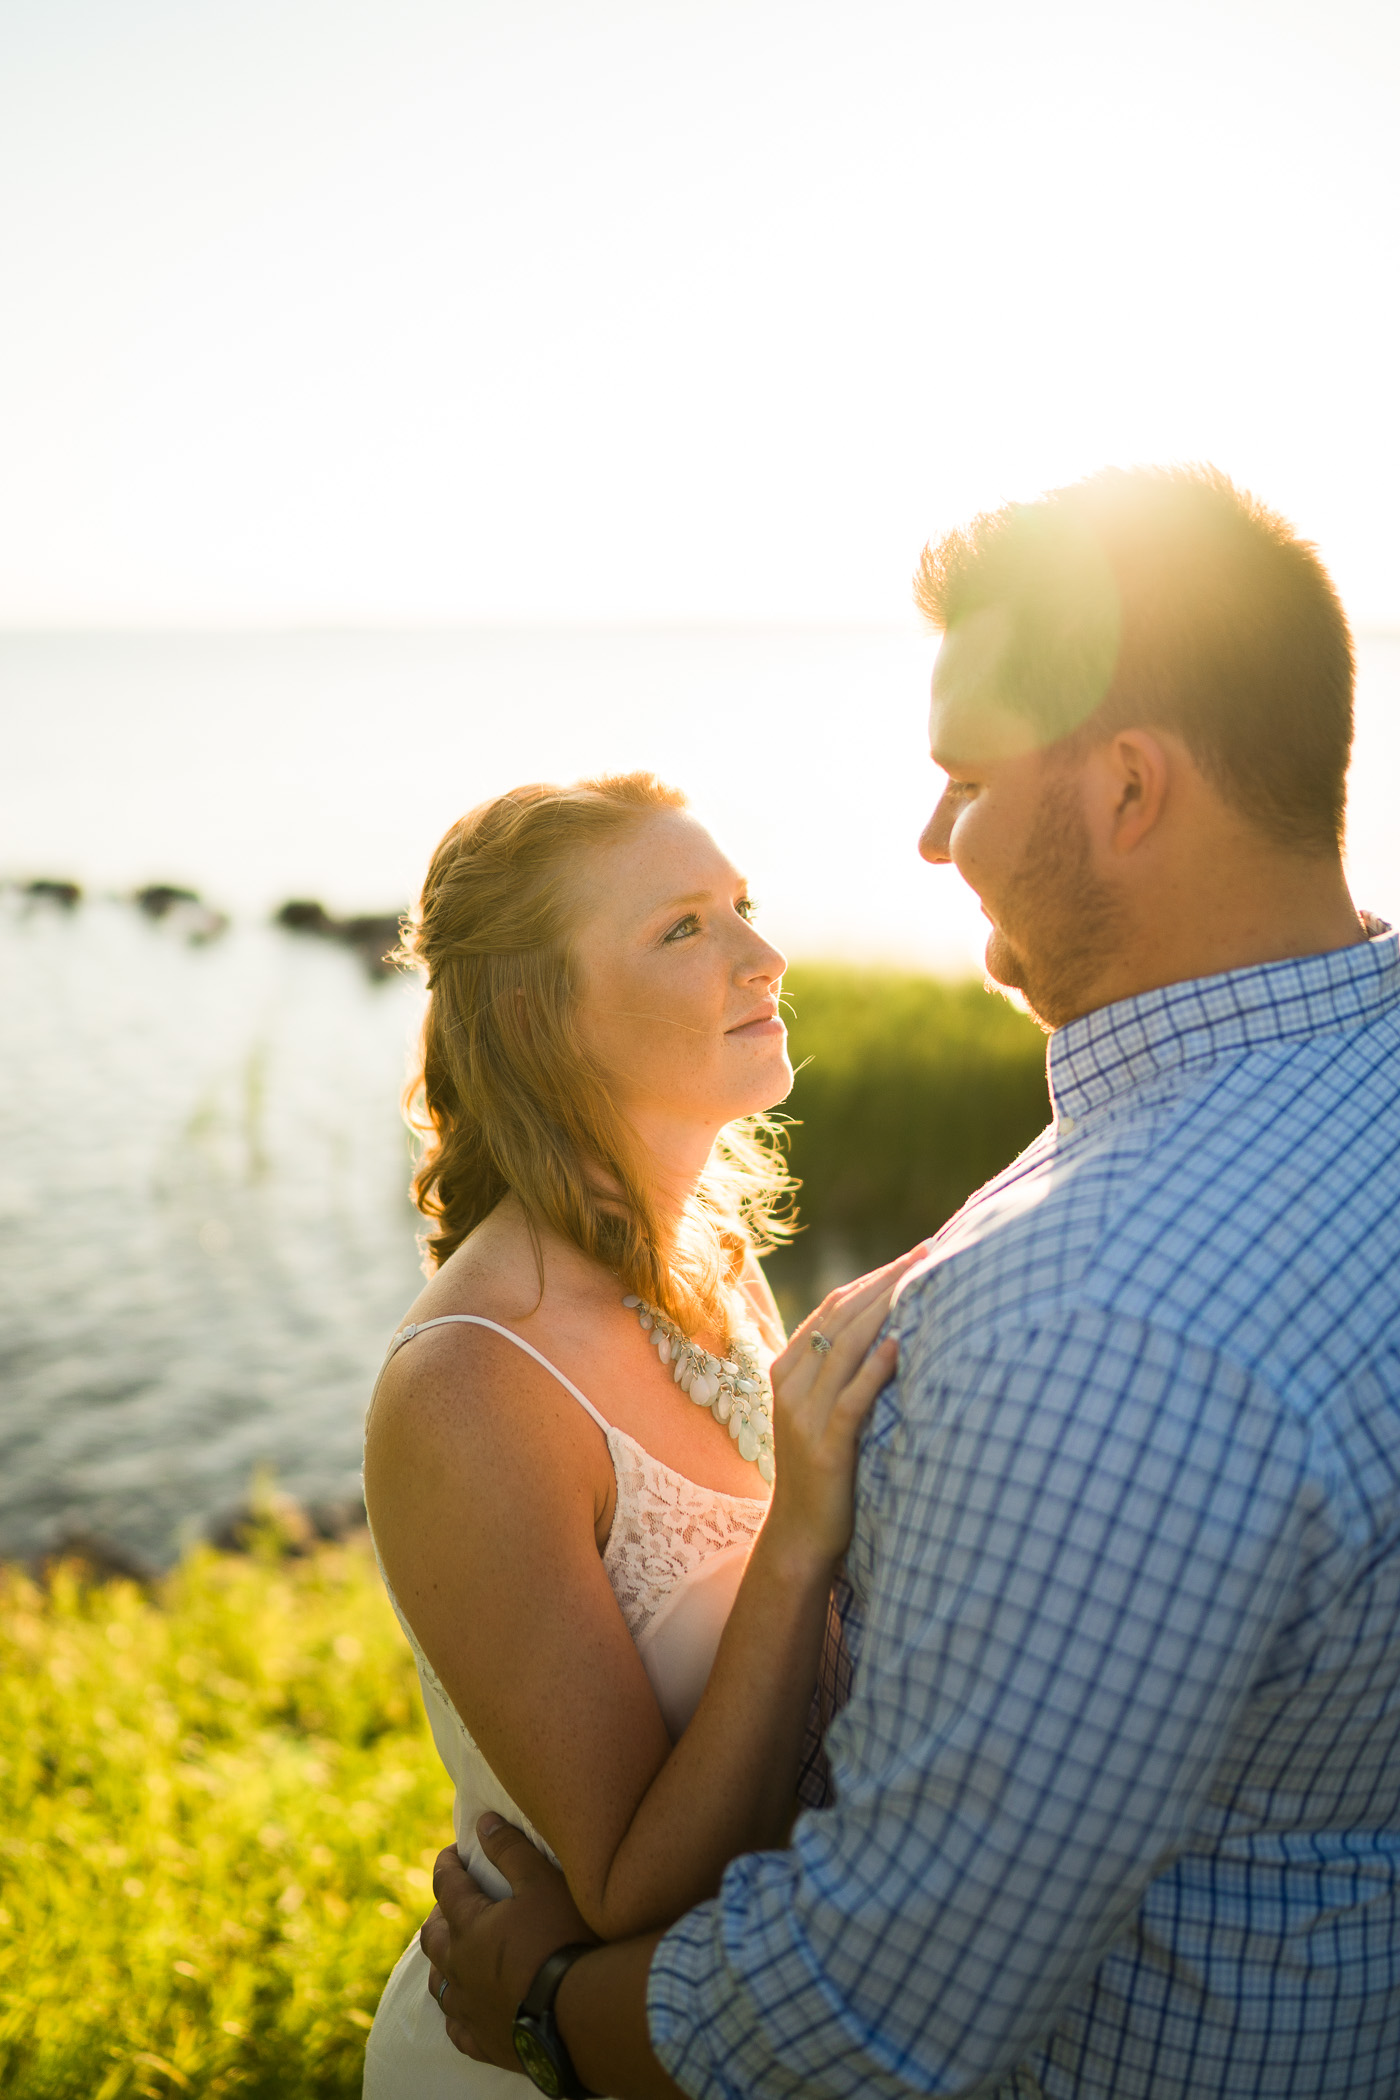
(1180, 1027)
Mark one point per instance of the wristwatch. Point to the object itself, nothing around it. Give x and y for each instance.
(538, 2042)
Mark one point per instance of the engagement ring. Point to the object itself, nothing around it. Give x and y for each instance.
(821, 1345)
(441, 1992)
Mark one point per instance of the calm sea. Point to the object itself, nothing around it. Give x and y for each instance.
(205, 1239)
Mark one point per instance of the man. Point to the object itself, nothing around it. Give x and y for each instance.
(1117, 1787)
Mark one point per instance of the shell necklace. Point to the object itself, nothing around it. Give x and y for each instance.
(733, 1387)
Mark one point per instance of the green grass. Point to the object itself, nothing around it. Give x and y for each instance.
(916, 1092)
(219, 1805)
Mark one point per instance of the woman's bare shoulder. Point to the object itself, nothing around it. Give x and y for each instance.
(467, 1393)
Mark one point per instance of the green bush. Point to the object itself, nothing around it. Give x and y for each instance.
(917, 1091)
(218, 1802)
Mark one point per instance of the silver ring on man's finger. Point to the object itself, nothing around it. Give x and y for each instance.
(442, 1992)
(821, 1345)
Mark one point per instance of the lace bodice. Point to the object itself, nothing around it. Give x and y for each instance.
(663, 1528)
(674, 1557)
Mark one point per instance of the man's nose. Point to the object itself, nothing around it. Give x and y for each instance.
(933, 840)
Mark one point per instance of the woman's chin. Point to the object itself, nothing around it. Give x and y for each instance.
(768, 1086)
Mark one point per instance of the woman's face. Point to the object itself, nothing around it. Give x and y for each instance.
(678, 989)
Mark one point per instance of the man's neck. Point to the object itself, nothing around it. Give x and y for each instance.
(1265, 912)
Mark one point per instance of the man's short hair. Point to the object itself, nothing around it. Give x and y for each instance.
(1165, 597)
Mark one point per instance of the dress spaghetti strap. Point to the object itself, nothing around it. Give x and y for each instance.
(406, 1334)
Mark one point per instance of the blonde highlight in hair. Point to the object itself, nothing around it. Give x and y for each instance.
(507, 1098)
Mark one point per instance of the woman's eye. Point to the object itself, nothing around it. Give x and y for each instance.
(747, 909)
(689, 924)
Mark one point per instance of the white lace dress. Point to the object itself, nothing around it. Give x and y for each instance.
(675, 1556)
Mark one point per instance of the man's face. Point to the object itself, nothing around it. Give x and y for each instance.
(1011, 820)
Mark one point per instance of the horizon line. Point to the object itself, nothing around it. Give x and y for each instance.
(679, 623)
(113, 630)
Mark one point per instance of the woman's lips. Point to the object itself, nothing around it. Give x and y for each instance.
(766, 1024)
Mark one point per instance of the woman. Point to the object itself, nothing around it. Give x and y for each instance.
(570, 1455)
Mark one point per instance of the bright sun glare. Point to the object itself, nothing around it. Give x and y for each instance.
(638, 312)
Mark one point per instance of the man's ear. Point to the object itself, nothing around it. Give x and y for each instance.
(1134, 770)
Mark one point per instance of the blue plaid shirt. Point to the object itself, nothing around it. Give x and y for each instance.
(1117, 1788)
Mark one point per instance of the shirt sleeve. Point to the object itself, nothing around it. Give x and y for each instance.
(1079, 1544)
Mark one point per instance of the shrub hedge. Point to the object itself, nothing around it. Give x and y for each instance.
(219, 1807)
(912, 1092)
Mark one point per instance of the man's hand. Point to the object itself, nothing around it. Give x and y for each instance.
(490, 1952)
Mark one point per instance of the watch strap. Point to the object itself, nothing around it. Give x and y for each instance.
(551, 1973)
(538, 2004)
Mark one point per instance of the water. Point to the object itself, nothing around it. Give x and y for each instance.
(205, 1238)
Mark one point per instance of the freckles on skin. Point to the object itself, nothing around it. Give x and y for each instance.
(678, 988)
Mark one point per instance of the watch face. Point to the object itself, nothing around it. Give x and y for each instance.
(536, 2061)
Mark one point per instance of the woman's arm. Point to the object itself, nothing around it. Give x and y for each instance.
(487, 1488)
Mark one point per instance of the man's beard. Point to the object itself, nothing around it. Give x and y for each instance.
(1058, 923)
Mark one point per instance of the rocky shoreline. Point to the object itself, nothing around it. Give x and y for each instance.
(266, 1519)
(371, 936)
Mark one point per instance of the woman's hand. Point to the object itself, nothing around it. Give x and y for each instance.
(820, 1398)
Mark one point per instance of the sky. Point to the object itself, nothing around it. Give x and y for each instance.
(322, 312)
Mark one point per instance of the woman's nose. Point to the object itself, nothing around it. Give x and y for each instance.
(769, 962)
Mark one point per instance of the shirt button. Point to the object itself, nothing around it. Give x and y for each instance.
(1066, 1123)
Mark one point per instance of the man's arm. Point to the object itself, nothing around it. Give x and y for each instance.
(603, 2020)
(494, 1950)
(1087, 1536)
